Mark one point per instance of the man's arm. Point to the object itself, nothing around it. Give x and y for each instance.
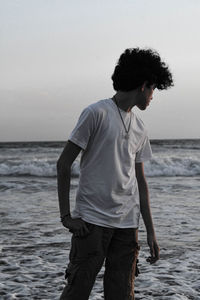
(146, 212)
(64, 164)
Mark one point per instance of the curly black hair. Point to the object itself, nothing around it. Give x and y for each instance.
(136, 66)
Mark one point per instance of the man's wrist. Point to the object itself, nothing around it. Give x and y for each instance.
(151, 232)
(63, 217)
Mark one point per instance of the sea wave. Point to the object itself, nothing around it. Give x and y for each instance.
(168, 166)
(172, 166)
(33, 168)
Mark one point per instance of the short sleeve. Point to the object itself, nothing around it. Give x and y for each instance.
(144, 153)
(83, 129)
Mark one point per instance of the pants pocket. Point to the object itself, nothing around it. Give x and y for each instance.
(70, 273)
(90, 226)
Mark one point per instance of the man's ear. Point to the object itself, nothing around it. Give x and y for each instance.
(143, 86)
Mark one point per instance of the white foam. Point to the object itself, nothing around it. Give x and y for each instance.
(172, 166)
(158, 166)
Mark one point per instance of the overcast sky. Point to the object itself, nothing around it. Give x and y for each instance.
(57, 56)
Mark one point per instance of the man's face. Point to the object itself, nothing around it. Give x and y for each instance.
(145, 96)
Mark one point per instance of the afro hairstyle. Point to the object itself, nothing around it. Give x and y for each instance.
(136, 66)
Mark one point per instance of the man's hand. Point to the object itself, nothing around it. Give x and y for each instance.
(154, 249)
(76, 226)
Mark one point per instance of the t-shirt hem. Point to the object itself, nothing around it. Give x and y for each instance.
(78, 143)
(143, 159)
(109, 225)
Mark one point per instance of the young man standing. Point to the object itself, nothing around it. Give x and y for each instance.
(114, 145)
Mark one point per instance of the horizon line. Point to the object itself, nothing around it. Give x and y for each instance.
(63, 141)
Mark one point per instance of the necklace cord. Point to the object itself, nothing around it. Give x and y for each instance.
(126, 130)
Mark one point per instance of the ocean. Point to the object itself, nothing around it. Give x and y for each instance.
(34, 246)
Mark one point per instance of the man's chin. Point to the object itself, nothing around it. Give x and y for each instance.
(142, 107)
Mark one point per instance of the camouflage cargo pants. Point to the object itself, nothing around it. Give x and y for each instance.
(118, 247)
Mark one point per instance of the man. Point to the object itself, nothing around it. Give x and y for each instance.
(114, 146)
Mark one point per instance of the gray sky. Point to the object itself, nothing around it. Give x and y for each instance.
(57, 56)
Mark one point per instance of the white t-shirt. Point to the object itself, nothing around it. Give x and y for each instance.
(108, 193)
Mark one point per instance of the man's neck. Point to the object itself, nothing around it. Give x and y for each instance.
(125, 100)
